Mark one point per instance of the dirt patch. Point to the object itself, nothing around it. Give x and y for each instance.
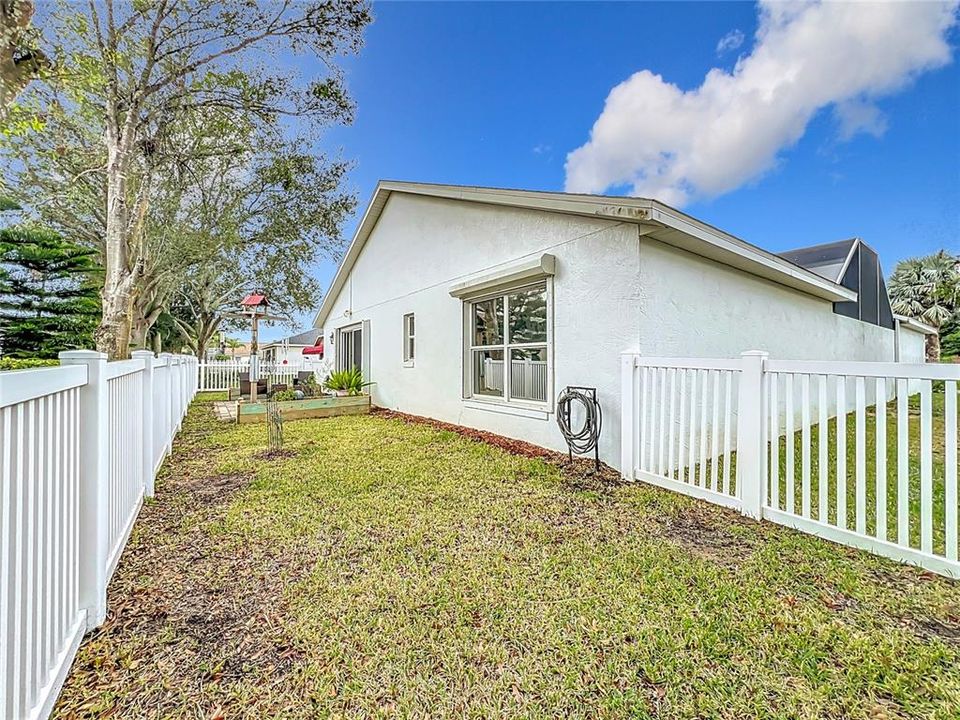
(706, 536)
(216, 489)
(275, 454)
(936, 629)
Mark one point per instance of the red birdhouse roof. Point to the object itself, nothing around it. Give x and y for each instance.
(254, 300)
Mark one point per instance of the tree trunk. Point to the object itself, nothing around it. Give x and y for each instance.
(113, 335)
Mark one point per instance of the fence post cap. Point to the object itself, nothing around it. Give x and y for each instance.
(142, 353)
(81, 355)
(755, 353)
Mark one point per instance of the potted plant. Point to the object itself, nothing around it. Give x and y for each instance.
(346, 382)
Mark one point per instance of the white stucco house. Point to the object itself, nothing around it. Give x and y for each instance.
(477, 306)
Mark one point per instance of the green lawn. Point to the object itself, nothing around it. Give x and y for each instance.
(379, 569)
(938, 468)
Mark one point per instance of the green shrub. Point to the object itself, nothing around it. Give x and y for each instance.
(282, 395)
(350, 380)
(25, 363)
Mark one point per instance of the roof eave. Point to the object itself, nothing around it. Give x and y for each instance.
(708, 241)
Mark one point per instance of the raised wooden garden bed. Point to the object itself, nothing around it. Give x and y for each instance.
(248, 412)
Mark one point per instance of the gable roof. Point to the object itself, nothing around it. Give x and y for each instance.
(307, 337)
(657, 220)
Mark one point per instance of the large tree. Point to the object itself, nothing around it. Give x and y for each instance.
(21, 60)
(48, 293)
(135, 75)
(928, 288)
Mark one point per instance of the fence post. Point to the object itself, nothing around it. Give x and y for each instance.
(628, 393)
(147, 403)
(94, 478)
(167, 396)
(750, 434)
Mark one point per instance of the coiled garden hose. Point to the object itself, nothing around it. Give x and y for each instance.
(585, 439)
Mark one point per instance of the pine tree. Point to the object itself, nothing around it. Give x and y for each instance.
(48, 296)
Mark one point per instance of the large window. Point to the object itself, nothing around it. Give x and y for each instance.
(409, 339)
(509, 336)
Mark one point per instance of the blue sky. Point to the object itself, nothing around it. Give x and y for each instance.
(498, 94)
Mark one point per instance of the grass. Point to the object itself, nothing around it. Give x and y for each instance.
(787, 486)
(378, 569)
(891, 484)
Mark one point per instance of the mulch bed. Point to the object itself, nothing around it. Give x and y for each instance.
(581, 472)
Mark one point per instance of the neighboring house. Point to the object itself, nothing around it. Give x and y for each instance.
(478, 306)
(304, 347)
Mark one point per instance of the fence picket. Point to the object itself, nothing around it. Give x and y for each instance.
(661, 424)
(823, 487)
(671, 466)
(926, 467)
(727, 406)
(805, 446)
(682, 474)
(774, 412)
(861, 456)
(704, 389)
(881, 474)
(950, 475)
(691, 449)
(790, 450)
(715, 430)
(841, 452)
(903, 465)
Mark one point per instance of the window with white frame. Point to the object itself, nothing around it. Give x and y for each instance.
(409, 338)
(509, 341)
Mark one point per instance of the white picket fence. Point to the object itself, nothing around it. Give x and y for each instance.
(805, 444)
(80, 445)
(225, 374)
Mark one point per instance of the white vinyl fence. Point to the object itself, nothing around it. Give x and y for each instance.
(79, 447)
(225, 374)
(861, 453)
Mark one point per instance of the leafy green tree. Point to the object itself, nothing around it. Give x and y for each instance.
(134, 78)
(928, 288)
(48, 293)
(950, 338)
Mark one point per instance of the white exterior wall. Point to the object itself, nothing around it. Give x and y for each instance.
(421, 246)
(612, 292)
(913, 345)
(693, 307)
(293, 354)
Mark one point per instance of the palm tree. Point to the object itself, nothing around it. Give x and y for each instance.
(928, 289)
(234, 345)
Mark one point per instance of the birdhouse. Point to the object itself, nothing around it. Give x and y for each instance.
(255, 302)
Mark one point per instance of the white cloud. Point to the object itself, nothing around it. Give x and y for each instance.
(675, 145)
(731, 41)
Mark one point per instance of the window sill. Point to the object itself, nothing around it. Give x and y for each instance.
(508, 408)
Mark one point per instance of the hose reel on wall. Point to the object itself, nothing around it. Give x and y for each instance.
(586, 438)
